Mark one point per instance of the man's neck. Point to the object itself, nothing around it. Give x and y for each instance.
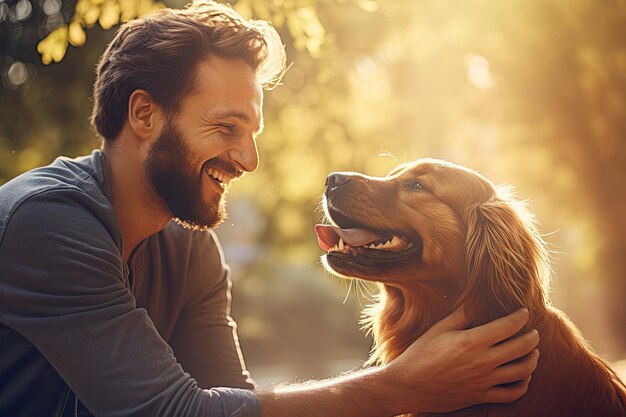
(139, 212)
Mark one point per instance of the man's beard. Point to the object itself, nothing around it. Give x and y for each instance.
(170, 171)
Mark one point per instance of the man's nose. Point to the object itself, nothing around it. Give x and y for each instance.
(246, 155)
(336, 180)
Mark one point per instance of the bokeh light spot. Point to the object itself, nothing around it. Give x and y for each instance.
(23, 10)
(478, 72)
(51, 7)
(18, 74)
(369, 5)
(4, 12)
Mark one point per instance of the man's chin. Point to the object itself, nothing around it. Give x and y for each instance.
(205, 221)
(199, 226)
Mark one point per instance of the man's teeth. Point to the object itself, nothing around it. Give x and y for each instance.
(394, 244)
(219, 176)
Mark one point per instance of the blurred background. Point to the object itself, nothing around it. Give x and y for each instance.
(527, 92)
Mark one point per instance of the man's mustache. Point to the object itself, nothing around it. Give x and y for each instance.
(226, 167)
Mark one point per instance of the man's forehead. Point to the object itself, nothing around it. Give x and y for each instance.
(215, 66)
(232, 77)
(228, 88)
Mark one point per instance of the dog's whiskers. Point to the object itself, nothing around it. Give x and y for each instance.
(358, 292)
(364, 292)
(366, 287)
(389, 154)
(348, 293)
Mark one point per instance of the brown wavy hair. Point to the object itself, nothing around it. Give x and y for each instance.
(159, 53)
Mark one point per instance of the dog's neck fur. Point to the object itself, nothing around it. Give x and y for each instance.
(401, 315)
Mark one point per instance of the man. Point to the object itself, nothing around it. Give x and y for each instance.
(108, 307)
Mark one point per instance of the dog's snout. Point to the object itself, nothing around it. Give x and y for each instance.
(336, 180)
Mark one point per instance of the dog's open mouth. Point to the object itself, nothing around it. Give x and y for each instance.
(335, 239)
(362, 245)
(350, 243)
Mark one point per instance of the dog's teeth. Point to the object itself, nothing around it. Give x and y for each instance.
(393, 244)
(341, 244)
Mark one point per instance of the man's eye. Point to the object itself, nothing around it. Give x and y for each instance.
(228, 128)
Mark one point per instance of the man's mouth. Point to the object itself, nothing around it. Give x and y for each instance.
(220, 178)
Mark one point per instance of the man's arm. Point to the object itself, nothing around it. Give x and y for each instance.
(444, 370)
(62, 287)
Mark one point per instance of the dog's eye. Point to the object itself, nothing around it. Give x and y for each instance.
(417, 186)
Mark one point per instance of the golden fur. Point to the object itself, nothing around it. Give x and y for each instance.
(475, 247)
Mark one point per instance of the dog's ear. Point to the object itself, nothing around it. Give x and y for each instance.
(507, 263)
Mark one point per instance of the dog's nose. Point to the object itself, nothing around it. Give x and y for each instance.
(336, 180)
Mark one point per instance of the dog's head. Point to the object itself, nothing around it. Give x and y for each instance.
(437, 224)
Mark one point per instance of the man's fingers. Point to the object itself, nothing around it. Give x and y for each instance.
(507, 394)
(500, 329)
(514, 348)
(516, 371)
(455, 321)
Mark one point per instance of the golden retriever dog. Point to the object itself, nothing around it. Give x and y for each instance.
(437, 236)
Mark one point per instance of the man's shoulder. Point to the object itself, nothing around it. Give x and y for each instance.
(59, 194)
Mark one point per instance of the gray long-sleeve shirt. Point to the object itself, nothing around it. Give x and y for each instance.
(147, 338)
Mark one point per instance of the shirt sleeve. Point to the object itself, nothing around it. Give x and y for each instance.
(205, 337)
(62, 286)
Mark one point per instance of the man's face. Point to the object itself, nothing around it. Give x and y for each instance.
(210, 142)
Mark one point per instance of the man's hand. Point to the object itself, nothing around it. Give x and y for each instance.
(444, 370)
(449, 369)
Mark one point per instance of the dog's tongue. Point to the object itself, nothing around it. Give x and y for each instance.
(328, 236)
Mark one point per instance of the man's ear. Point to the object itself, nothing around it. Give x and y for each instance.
(144, 115)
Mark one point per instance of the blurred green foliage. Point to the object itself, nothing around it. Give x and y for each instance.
(527, 92)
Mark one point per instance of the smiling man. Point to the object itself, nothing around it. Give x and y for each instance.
(114, 297)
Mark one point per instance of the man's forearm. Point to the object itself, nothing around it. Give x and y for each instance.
(446, 369)
(368, 393)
